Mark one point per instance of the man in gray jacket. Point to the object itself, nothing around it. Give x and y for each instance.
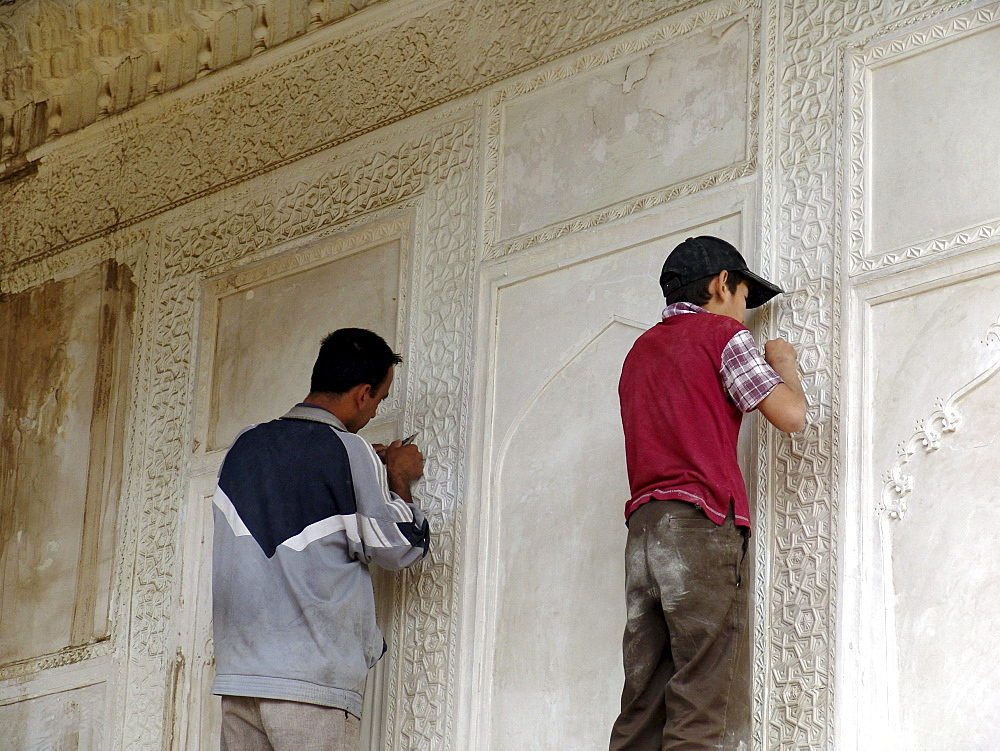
(303, 506)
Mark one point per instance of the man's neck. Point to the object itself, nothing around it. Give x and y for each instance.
(335, 405)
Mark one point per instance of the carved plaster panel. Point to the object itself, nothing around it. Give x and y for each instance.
(921, 504)
(803, 159)
(553, 481)
(529, 128)
(922, 149)
(433, 175)
(274, 110)
(929, 434)
(66, 64)
(945, 587)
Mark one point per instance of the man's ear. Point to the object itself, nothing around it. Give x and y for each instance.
(717, 287)
(360, 392)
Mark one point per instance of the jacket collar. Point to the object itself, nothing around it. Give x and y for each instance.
(314, 413)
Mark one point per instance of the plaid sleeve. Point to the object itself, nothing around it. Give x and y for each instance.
(747, 376)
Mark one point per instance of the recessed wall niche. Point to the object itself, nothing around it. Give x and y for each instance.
(263, 325)
(932, 442)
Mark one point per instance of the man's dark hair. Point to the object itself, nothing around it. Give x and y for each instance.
(697, 292)
(349, 357)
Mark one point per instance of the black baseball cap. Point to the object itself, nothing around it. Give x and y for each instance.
(701, 257)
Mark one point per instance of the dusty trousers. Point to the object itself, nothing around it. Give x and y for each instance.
(686, 647)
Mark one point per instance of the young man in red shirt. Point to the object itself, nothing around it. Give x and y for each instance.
(684, 388)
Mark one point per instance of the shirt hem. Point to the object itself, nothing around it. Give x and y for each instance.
(676, 494)
(287, 689)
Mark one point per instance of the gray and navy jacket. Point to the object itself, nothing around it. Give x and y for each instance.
(302, 507)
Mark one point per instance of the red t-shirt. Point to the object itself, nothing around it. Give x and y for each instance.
(681, 427)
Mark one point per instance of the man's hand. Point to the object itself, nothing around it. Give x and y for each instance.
(777, 351)
(404, 465)
(785, 406)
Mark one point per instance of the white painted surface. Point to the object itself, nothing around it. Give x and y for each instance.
(636, 125)
(935, 153)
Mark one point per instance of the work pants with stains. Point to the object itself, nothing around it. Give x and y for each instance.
(251, 724)
(686, 647)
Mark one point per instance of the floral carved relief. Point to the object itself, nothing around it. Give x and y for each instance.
(929, 433)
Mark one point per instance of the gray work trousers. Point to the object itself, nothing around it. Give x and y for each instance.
(250, 724)
(686, 647)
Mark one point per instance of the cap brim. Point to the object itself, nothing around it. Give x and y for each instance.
(761, 290)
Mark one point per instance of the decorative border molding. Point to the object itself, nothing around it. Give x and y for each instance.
(973, 236)
(69, 656)
(159, 492)
(496, 247)
(927, 436)
(278, 214)
(260, 117)
(871, 53)
(124, 246)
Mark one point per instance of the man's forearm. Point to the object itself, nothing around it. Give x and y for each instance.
(789, 373)
(785, 406)
(399, 486)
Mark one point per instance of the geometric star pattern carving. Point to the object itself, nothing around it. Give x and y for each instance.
(805, 91)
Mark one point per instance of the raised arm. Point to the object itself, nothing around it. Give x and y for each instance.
(785, 406)
(394, 533)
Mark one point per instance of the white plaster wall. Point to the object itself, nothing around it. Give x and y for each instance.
(922, 528)
(929, 494)
(637, 124)
(533, 169)
(933, 143)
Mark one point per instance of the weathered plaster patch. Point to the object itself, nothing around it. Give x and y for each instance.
(634, 126)
(60, 467)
